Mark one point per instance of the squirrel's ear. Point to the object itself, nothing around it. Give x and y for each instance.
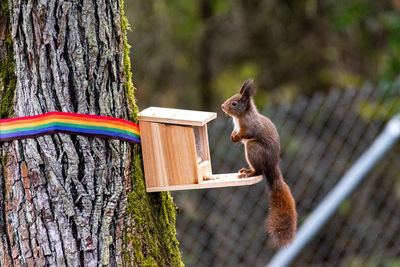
(248, 88)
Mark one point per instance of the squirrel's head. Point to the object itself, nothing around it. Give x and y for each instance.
(238, 104)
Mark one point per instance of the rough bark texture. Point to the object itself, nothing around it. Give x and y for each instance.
(64, 198)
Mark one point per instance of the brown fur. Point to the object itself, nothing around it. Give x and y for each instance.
(262, 147)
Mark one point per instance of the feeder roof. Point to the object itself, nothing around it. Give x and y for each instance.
(176, 116)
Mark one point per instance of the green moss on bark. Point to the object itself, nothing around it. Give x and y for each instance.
(7, 76)
(153, 235)
(152, 239)
(7, 87)
(129, 88)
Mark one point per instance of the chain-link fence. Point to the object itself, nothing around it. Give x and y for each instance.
(321, 137)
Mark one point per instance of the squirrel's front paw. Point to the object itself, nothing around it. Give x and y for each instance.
(235, 137)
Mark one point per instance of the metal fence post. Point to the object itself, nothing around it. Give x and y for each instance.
(345, 186)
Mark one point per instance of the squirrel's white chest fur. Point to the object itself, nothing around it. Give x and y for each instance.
(236, 126)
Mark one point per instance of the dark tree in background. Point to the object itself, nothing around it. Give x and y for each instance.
(73, 200)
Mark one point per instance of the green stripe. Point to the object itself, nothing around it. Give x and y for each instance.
(69, 125)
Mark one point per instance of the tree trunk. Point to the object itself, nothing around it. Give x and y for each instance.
(74, 200)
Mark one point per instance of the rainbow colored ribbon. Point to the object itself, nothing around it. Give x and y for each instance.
(69, 123)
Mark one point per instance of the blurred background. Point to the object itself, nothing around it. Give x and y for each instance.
(327, 74)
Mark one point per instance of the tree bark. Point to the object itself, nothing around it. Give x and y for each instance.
(73, 200)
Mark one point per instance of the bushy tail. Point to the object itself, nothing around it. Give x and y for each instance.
(281, 222)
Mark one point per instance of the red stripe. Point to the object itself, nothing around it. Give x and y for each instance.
(19, 137)
(73, 119)
(68, 114)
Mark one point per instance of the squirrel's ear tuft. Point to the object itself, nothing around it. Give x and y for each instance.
(248, 88)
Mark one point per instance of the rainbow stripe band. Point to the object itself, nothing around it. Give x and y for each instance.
(69, 123)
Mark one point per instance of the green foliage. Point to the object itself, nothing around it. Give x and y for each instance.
(289, 47)
(375, 110)
(391, 65)
(369, 21)
(221, 7)
(345, 207)
(293, 146)
(397, 186)
(374, 261)
(230, 80)
(183, 28)
(347, 14)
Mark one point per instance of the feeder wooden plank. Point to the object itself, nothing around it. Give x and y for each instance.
(169, 154)
(220, 180)
(176, 116)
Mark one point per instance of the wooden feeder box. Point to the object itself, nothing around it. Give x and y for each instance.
(176, 155)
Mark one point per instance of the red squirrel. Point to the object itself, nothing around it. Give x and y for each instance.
(262, 147)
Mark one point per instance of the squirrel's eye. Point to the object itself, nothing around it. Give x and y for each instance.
(234, 103)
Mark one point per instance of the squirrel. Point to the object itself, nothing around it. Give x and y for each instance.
(262, 147)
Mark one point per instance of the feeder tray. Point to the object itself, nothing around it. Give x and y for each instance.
(176, 154)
